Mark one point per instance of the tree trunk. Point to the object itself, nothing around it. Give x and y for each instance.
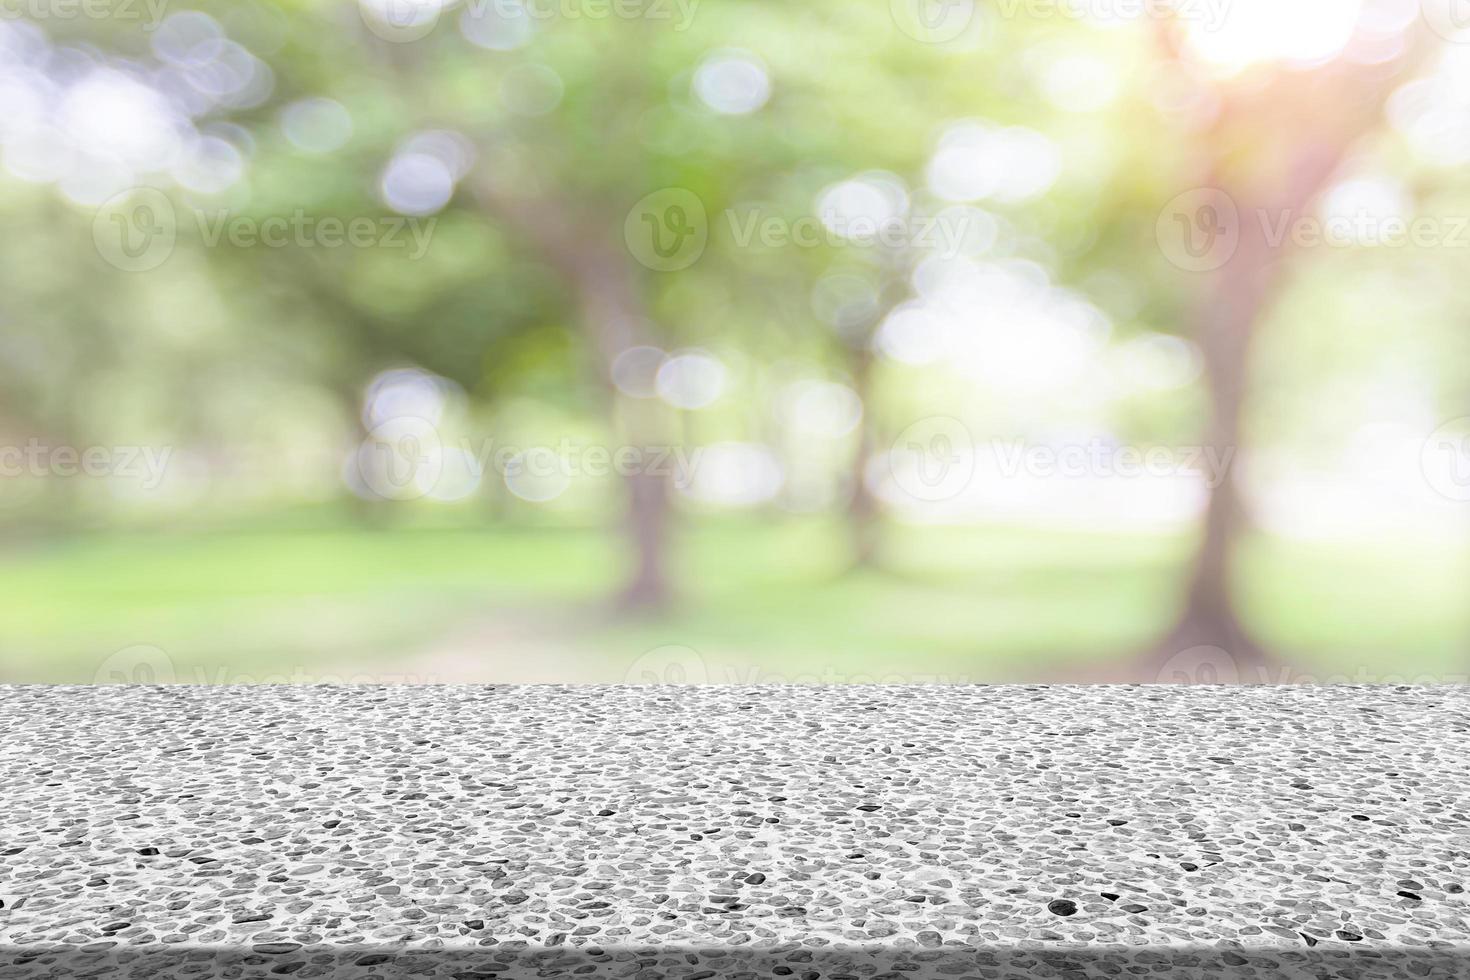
(1295, 156)
(862, 506)
(648, 528)
(613, 313)
(1226, 322)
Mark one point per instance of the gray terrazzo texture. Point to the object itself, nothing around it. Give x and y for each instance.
(695, 833)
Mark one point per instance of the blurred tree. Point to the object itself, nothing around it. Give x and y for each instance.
(562, 181)
(1277, 138)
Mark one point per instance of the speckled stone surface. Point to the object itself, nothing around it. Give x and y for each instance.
(661, 832)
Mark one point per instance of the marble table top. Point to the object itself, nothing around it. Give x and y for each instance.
(713, 832)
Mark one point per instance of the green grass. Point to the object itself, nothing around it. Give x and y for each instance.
(759, 602)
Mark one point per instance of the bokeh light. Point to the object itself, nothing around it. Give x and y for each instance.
(733, 83)
(691, 380)
(316, 125)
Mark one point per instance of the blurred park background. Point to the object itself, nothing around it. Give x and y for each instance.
(734, 341)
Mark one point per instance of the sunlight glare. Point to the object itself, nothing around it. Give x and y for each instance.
(1297, 32)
